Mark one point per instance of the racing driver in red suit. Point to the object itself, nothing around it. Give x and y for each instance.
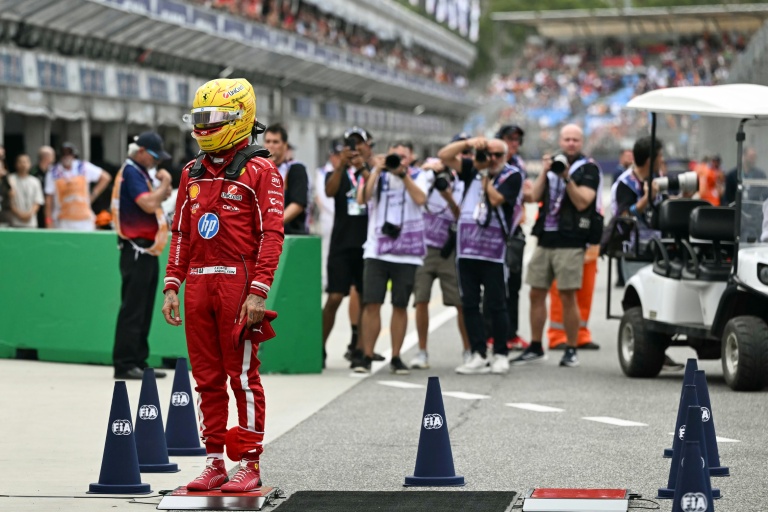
(227, 239)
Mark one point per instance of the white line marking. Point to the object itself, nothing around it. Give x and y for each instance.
(400, 384)
(615, 421)
(411, 339)
(465, 396)
(726, 440)
(535, 407)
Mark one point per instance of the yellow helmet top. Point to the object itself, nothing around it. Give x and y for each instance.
(223, 113)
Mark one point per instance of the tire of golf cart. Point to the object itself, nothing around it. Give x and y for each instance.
(745, 353)
(641, 352)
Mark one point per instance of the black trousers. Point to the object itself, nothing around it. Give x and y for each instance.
(474, 274)
(139, 272)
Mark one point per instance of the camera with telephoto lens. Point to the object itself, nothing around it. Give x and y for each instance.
(391, 230)
(481, 155)
(443, 180)
(392, 162)
(684, 183)
(351, 143)
(559, 164)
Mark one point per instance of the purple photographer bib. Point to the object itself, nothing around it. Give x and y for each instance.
(409, 243)
(436, 229)
(476, 242)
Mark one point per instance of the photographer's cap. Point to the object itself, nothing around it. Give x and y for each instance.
(68, 148)
(356, 130)
(153, 144)
(336, 147)
(509, 129)
(459, 136)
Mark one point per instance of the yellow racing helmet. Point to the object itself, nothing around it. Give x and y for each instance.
(223, 113)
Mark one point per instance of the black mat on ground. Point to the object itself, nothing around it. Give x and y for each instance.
(398, 501)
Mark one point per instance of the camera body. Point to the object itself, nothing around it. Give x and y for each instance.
(481, 155)
(685, 182)
(391, 230)
(351, 143)
(443, 180)
(560, 164)
(392, 162)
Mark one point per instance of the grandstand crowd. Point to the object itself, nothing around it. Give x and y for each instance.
(310, 21)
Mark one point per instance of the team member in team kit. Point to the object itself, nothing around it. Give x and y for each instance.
(227, 240)
(295, 178)
(441, 212)
(490, 212)
(394, 248)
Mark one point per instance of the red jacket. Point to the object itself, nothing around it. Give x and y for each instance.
(228, 223)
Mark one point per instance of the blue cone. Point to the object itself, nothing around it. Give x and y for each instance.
(181, 434)
(150, 435)
(120, 464)
(690, 367)
(692, 489)
(694, 430)
(708, 417)
(434, 459)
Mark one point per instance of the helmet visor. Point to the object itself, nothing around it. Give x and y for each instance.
(208, 117)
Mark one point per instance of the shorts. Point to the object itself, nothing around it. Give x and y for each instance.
(437, 267)
(345, 269)
(376, 275)
(566, 265)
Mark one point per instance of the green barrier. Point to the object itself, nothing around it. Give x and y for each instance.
(60, 293)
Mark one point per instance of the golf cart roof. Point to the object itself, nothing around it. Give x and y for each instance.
(742, 101)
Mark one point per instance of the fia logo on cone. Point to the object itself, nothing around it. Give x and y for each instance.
(122, 427)
(433, 421)
(694, 502)
(179, 399)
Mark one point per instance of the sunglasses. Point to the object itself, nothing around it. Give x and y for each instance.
(496, 155)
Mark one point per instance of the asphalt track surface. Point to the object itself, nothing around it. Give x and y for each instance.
(339, 432)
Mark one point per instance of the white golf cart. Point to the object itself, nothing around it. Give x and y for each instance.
(706, 284)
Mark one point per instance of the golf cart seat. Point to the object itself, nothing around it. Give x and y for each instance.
(669, 253)
(712, 233)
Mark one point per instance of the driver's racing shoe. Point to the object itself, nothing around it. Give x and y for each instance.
(214, 474)
(247, 478)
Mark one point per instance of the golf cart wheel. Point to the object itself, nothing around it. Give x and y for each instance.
(641, 352)
(745, 353)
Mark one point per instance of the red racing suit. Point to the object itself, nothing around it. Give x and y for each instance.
(227, 240)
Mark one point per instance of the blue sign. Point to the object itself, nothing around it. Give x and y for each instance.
(11, 70)
(208, 226)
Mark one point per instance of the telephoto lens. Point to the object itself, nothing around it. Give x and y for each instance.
(559, 164)
(392, 162)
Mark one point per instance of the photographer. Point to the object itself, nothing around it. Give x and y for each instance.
(350, 224)
(394, 248)
(490, 212)
(567, 222)
(441, 213)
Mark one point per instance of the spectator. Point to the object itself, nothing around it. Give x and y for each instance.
(5, 192)
(444, 197)
(489, 213)
(568, 197)
(394, 248)
(68, 200)
(27, 195)
(45, 158)
(750, 172)
(296, 180)
(142, 235)
(625, 160)
(711, 181)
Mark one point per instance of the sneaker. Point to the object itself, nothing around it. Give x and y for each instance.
(517, 343)
(355, 358)
(529, 355)
(420, 361)
(476, 365)
(349, 354)
(397, 367)
(362, 365)
(212, 477)
(670, 365)
(247, 478)
(590, 345)
(500, 364)
(466, 356)
(570, 359)
(378, 357)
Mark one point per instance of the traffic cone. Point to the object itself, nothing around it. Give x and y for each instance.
(691, 428)
(692, 489)
(434, 459)
(150, 436)
(120, 464)
(690, 367)
(710, 438)
(181, 434)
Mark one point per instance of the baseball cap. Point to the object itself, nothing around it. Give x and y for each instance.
(336, 146)
(509, 129)
(153, 143)
(69, 148)
(459, 136)
(356, 130)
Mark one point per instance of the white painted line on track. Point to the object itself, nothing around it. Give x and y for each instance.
(411, 339)
(615, 421)
(726, 440)
(465, 396)
(400, 384)
(535, 407)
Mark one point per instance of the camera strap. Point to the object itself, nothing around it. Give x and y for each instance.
(386, 204)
